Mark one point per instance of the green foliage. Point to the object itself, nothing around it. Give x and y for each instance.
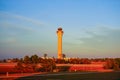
(19, 67)
(109, 63)
(30, 64)
(116, 64)
(117, 60)
(34, 59)
(64, 56)
(48, 65)
(27, 60)
(45, 55)
(112, 63)
(63, 68)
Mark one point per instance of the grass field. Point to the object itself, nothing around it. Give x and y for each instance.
(75, 76)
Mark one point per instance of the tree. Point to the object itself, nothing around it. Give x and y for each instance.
(45, 55)
(109, 63)
(48, 65)
(19, 67)
(116, 65)
(27, 60)
(40, 59)
(15, 60)
(34, 59)
(117, 60)
(21, 60)
(64, 56)
(60, 61)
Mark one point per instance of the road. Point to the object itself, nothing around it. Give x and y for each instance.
(75, 76)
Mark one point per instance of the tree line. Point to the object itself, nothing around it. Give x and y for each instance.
(35, 63)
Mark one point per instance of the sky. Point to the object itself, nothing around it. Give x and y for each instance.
(91, 28)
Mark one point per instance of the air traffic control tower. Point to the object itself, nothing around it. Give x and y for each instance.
(60, 34)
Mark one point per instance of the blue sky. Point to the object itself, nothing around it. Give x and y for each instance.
(91, 28)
